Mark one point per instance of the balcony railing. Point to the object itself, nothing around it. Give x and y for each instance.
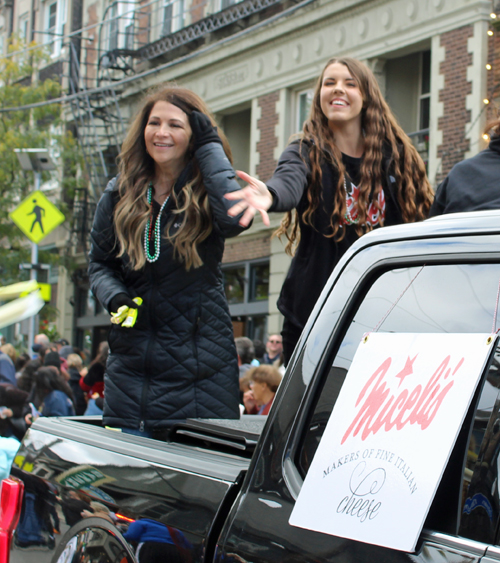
(132, 33)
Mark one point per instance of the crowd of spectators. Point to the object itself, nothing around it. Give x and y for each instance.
(54, 382)
(57, 381)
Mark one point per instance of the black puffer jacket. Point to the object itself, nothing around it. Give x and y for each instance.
(471, 185)
(179, 360)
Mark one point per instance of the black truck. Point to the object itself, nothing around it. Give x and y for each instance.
(224, 491)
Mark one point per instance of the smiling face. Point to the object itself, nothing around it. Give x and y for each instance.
(274, 345)
(167, 135)
(340, 97)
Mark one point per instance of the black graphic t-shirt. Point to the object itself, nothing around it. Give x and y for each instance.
(374, 213)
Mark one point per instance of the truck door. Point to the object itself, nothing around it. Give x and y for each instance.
(390, 288)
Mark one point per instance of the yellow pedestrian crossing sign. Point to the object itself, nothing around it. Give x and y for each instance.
(36, 216)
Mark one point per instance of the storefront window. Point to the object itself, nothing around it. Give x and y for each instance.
(234, 284)
(259, 282)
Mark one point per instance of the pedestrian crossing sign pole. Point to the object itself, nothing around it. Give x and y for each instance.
(36, 216)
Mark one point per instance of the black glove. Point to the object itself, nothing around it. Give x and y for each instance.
(119, 300)
(203, 130)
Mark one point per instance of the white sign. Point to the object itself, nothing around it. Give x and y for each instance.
(389, 437)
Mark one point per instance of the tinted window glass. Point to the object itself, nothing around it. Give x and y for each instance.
(259, 288)
(234, 284)
(433, 299)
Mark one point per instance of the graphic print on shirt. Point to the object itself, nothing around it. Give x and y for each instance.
(373, 215)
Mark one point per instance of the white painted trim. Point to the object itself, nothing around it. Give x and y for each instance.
(254, 137)
(438, 54)
(281, 127)
(477, 76)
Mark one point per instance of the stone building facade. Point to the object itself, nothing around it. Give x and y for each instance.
(257, 73)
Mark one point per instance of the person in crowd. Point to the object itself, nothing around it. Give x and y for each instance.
(57, 398)
(41, 341)
(352, 169)
(245, 386)
(473, 184)
(157, 542)
(52, 358)
(27, 378)
(93, 381)
(60, 343)
(260, 350)
(10, 351)
(7, 369)
(12, 402)
(75, 366)
(21, 361)
(264, 382)
(74, 504)
(246, 354)
(158, 235)
(99, 510)
(63, 348)
(274, 348)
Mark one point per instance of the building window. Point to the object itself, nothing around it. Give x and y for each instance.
(247, 291)
(23, 27)
(54, 20)
(173, 16)
(304, 101)
(226, 3)
(51, 18)
(425, 91)
(120, 27)
(113, 28)
(234, 284)
(167, 19)
(408, 92)
(129, 36)
(259, 282)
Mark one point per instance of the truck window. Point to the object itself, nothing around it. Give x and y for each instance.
(453, 298)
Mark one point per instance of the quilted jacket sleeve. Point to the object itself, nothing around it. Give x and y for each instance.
(105, 269)
(219, 178)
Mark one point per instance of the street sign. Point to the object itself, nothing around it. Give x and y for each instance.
(36, 216)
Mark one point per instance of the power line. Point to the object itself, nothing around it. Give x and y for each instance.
(144, 74)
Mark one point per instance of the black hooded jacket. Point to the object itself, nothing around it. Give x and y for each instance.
(317, 254)
(179, 360)
(471, 185)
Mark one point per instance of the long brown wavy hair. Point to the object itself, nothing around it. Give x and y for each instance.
(383, 137)
(137, 171)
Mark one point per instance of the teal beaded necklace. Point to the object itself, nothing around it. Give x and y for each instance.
(156, 228)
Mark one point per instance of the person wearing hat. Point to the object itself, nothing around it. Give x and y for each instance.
(53, 359)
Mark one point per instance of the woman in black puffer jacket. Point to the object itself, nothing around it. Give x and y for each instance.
(159, 234)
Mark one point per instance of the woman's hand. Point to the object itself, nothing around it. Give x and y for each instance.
(119, 300)
(203, 130)
(252, 198)
(249, 402)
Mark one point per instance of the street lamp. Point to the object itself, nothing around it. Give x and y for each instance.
(37, 161)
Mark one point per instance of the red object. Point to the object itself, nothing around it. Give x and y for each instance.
(11, 500)
(125, 518)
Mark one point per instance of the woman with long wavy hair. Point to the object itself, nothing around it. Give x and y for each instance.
(158, 235)
(352, 169)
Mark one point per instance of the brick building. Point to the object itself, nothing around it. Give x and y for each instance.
(255, 63)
